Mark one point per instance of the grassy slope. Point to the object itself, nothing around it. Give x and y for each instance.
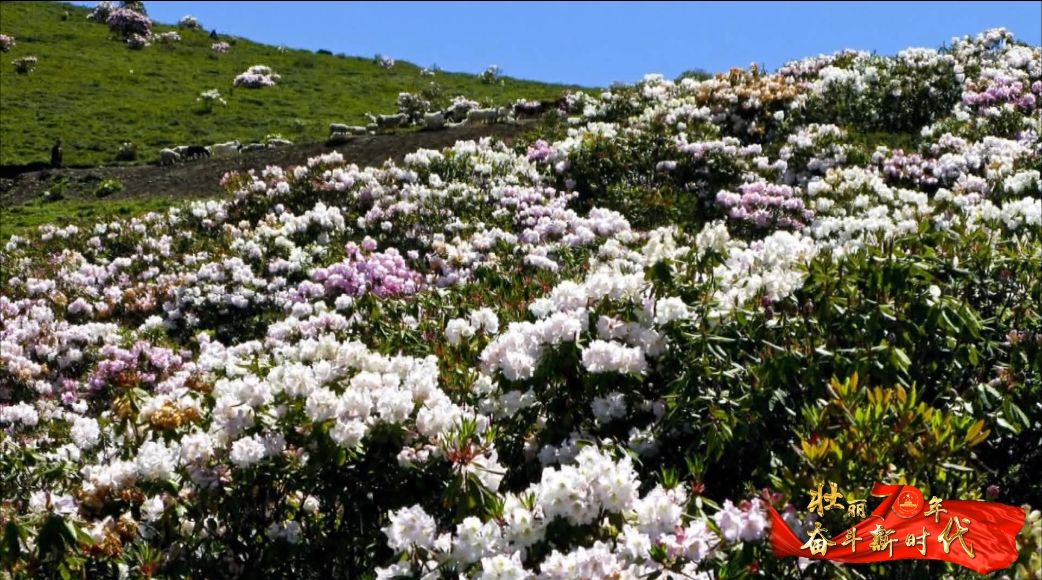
(94, 93)
(24, 218)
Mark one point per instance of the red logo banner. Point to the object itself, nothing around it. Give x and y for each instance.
(978, 535)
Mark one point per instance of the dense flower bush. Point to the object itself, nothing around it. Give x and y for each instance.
(220, 47)
(598, 353)
(413, 105)
(6, 42)
(256, 77)
(127, 22)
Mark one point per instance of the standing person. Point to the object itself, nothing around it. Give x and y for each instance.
(56, 154)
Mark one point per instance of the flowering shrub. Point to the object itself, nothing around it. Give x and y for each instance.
(101, 12)
(127, 22)
(209, 98)
(255, 77)
(135, 5)
(384, 62)
(220, 47)
(24, 65)
(598, 353)
(765, 204)
(189, 22)
(136, 41)
(413, 105)
(490, 75)
(384, 274)
(127, 152)
(6, 42)
(459, 106)
(108, 187)
(167, 37)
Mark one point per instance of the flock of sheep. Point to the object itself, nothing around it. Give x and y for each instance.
(180, 153)
(460, 113)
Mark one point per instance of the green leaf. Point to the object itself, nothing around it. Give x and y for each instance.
(1006, 425)
(900, 359)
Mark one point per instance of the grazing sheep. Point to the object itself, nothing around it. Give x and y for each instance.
(338, 128)
(229, 148)
(371, 128)
(384, 122)
(392, 121)
(433, 121)
(168, 157)
(251, 147)
(357, 130)
(197, 152)
(181, 150)
(526, 109)
(273, 143)
(482, 115)
(506, 115)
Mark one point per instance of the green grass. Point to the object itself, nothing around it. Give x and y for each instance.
(94, 93)
(25, 218)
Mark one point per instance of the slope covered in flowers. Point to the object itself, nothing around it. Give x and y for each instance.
(597, 355)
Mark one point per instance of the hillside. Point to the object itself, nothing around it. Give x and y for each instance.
(616, 345)
(93, 92)
(150, 187)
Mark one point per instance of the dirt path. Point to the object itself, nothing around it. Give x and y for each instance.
(201, 178)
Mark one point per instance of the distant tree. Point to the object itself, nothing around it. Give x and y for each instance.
(698, 74)
(138, 7)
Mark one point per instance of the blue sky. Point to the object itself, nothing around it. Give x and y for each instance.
(594, 44)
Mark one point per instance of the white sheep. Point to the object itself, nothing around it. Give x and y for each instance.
(273, 143)
(339, 128)
(432, 121)
(482, 115)
(168, 157)
(223, 149)
(389, 121)
(251, 147)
